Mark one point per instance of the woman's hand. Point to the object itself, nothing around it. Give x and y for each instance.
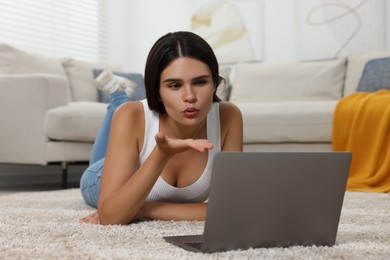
(174, 146)
(91, 218)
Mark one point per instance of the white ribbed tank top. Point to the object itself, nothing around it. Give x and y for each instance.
(199, 190)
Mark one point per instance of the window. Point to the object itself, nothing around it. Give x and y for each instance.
(60, 28)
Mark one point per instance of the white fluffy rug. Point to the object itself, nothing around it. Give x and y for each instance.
(44, 225)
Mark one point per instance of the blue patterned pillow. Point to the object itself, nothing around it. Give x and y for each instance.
(136, 77)
(375, 76)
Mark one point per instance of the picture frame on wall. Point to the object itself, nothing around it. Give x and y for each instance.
(233, 28)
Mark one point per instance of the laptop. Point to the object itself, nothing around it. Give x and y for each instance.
(262, 199)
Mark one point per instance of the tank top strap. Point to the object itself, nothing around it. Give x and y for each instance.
(152, 124)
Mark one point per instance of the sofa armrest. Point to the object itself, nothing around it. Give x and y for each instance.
(25, 99)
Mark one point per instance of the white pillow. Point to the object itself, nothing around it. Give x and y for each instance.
(307, 81)
(16, 61)
(80, 75)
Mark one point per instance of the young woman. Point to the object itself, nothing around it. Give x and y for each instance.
(160, 150)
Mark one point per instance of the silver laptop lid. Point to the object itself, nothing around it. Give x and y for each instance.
(275, 199)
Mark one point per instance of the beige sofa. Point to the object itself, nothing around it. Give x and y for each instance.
(50, 110)
(289, 107)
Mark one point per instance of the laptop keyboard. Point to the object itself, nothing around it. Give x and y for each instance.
(197, 245)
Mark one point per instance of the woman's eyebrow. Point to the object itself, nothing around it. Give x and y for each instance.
(171, 80)
(196, 78)
(202, 77)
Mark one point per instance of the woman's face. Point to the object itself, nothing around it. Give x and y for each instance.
(186, 90)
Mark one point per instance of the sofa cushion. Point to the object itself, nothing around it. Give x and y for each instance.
(277, 122)
(288, 82)
(356, 64)
(77, 121)
(80, 74)
(15, 61)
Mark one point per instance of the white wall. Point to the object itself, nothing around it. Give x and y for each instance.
(279, 37)
(136, 24)
(387, 22)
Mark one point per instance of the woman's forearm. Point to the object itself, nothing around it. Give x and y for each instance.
(122, 205)
(173, 211)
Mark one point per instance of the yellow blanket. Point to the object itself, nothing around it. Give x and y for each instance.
(362, 126)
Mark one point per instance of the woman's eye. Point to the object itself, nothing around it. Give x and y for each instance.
(200, 82)
(174, 85)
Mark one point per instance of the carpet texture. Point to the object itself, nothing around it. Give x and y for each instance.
(44, 225)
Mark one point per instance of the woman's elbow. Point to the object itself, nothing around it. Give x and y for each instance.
(111, 217)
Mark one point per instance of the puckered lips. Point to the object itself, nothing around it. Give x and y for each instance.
(190, 112)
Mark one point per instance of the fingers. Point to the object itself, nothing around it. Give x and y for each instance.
(91, 219)
(171, 145)
(201, 145)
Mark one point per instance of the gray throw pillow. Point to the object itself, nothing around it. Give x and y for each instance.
(375, 76)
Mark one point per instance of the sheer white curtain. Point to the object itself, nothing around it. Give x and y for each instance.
(62, 28)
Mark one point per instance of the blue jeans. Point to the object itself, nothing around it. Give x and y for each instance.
(90, 180)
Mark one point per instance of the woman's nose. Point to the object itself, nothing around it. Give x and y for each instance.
(189, 94)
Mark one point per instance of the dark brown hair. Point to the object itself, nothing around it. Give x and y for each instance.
(168, 48)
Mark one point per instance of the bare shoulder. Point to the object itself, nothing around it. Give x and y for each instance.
(231, 127)
(129, 112)
(129, 118)
(229, 110)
